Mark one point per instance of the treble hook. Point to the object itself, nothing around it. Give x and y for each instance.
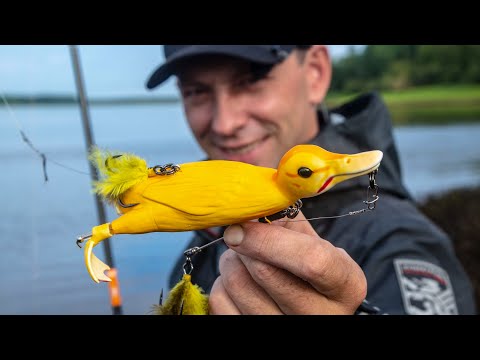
(181, 308)
(108, 158)
(82, 238)
(188, 265)
(160, 303)
(372, 187)
(291, 212)
(120, 202)
(371, 178)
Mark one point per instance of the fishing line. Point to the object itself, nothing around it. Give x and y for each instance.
(31, 146)
(351, 213)
(292, 212)
(195, 250)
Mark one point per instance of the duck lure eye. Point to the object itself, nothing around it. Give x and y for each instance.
(305, 172)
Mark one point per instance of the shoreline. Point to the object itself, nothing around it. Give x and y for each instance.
(435, 105)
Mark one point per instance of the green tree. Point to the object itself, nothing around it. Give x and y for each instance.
(401, 66)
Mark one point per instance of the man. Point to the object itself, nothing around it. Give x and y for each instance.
(252, 103)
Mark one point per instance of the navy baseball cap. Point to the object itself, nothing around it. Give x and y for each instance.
(262, 54)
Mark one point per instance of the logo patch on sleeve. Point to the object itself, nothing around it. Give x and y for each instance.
(425, 287)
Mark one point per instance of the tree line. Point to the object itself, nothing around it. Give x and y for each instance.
(395, 67)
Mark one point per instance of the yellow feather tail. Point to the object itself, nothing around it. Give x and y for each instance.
(194, 300)
(118, 172)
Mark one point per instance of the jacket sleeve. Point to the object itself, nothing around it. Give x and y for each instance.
(410, 264)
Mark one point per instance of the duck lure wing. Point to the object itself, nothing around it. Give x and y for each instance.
(212, 193)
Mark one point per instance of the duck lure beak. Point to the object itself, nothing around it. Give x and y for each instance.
(350, 166)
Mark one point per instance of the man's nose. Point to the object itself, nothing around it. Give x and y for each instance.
(228, 114)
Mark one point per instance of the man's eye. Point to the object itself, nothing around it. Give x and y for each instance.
(246, 81)
(192, 92)
(249, 81)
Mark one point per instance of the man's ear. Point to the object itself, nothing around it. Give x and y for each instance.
(318, 67)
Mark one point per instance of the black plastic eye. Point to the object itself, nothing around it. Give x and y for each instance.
(305, 172)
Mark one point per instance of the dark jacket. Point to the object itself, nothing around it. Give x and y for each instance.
(410, 264)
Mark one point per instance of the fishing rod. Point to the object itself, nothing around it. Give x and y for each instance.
(113, 286)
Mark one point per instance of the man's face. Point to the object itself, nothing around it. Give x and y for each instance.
(243, 115)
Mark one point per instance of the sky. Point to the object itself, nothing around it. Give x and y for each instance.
(108, 70)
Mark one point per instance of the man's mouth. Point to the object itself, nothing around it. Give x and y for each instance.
(244, 149)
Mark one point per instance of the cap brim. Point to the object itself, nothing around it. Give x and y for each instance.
(253, 53)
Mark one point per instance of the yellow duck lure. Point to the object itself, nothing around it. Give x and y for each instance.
(212, 193)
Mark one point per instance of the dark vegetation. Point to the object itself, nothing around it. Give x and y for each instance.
(457, 212)
(397, 67)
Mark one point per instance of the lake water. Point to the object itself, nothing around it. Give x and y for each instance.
(42, 270)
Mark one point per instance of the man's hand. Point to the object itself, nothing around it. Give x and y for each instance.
(285, 268)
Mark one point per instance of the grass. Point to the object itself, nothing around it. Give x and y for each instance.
(426, 105)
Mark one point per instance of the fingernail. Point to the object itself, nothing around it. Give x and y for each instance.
(233, 235)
